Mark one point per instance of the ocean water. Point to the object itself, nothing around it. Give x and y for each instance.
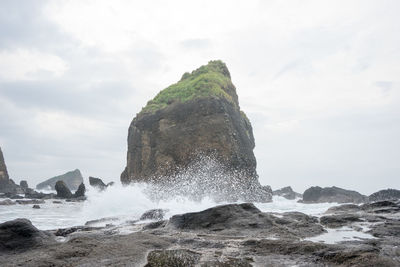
(127, 203)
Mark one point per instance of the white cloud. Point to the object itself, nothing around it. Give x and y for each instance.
(25, 64)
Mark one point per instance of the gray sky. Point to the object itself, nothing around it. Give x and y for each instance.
(319, 81)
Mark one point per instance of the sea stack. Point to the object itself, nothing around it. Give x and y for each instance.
(6, 184)
(71, 179)
(198, 117)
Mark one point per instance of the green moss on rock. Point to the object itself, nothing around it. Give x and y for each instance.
(212, 79)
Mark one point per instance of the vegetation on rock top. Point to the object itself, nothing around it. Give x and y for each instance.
(212, 79)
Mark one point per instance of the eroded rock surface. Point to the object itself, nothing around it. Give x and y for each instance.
(318, 194)
(386, 194)
(196, 119)
(227, 235)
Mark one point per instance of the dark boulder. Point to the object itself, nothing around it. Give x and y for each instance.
(287, 192)
(386, 194)
(71, 179)
(81, 191)
(155, 214)
(23, 184)
(62, 190)
(36, 207)
(195, 129)
(246, 219)
(318, 194)
(20, 234)
(97, 183)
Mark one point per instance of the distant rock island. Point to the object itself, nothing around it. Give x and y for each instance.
(71, 179)
(198, 117)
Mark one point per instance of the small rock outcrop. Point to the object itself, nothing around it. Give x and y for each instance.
(20, 234)
(287, 192)
(386, 194)
(318, 194)
(63, 190)
(97, 183)
(72, 179)
(154, 214)
(196, 119)
(23, 184)
(81, 191)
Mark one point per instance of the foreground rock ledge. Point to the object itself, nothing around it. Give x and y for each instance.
(229, 235)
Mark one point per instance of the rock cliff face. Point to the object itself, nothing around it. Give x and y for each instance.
(197, 117)
(72, 179)
(6, 184)
(3, 169)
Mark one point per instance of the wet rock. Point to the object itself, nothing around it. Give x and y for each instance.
(36, 207)
(317, 194)
(67, 231)
(186, 127)
(71, 179)
(20, 234)
(172, 258)
(62, 190)
(97, 183)
(101, 220)
(335, 221)
(7, 185)
(23, 184)
(246, 219)
(287, 192)
(57, 202)
(81, 191)
(344, 208)
(38, 195)
(154, 214)
(382, 207)
(7, 202)
(29, 201)
(387, 194)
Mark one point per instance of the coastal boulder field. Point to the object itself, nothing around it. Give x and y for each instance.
(197, 118)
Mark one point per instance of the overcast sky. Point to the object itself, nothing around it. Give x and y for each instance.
(319, 81)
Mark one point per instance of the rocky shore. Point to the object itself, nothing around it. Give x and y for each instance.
(227, 235)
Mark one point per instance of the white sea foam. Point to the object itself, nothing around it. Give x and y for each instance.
(128, 203)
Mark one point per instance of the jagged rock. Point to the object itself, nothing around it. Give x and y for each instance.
(335, 221)
(386, 194)
(36, 207)
(20, 234)
(97, 183)
(155, 214)
(62, 190)
(72, 179)
(81, 191)
(23, 184)
(172, 258)
(196, 119)
(246, 219)
(6, 184)
(317, 194)
(287, 192)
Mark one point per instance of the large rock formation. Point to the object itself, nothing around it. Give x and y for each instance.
(386, 194)
(6, 184)
(318, 194)
(195, 119)
(72, 179)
